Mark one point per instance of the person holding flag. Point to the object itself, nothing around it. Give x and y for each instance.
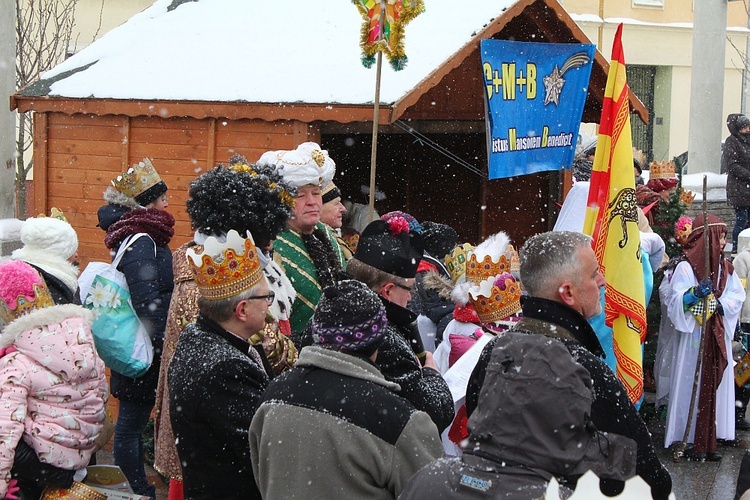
(612, 222)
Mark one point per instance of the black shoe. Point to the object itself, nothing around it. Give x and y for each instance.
(713, 457)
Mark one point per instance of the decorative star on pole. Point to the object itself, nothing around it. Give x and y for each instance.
(385, 33)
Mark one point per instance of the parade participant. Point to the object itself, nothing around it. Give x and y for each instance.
(690, 283)
(359, 441)
(735, 161)
(53, 390)
(332, 215)
(245, 198)
(136, 203)
(386, 260)
(560, 272)
(217, 377)
(50, 245)
(307, 250)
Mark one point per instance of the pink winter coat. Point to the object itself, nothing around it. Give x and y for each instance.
(52, 388)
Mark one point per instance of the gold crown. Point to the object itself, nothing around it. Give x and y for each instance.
(496, 302)
(515, 261)
(662, 170)
(455, 261)
(56, 213)
(476, 271)
(137, 179)
(225, 270)
(686, 196)
(24, 304)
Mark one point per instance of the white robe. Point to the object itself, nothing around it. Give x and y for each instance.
(666, 347)
(683, 367)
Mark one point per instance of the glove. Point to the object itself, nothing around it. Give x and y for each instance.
(13, 490)
(704, 289)
(689, 298)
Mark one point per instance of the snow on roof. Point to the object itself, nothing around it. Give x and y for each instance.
(278, 51)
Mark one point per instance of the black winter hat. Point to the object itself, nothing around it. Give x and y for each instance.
(350, 318)
(439, 239)
(391, 247)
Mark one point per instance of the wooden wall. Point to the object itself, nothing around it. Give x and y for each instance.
(76, 157)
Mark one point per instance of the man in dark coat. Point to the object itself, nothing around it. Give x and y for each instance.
(532, 424)
(735, 161)
(560, 272)
(386, 260)
(216, 378)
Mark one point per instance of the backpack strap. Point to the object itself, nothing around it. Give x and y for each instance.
(127, 243)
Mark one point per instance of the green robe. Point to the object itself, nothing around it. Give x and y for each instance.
(291, 254)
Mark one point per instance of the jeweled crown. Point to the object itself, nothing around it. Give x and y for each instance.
(224, 270)
(455, 261)
(662, 170)
(137, 179)
(25, 304)
(496, 298)
(477, 271)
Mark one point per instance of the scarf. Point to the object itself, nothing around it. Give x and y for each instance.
(158, 224)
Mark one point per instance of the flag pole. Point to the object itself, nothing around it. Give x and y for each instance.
(376, 116)
(679, 452)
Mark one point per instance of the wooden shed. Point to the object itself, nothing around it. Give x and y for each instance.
(431, 129)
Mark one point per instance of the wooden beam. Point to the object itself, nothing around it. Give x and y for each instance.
(40, 164)
(125, 155)
(304, 112)
(211, 146)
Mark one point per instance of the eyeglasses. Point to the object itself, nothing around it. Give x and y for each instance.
(411, 289)
(269, 297)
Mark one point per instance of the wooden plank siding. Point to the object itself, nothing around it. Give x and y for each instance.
(77, 155)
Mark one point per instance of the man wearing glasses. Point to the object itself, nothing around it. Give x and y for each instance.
(386, 260)
(216, 378)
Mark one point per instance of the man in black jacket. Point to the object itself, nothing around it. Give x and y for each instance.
(216, 378)
(560, 272)
(735, 161)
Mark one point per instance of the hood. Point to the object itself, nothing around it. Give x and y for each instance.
(534, 410)
(109, 214)
(736, 122)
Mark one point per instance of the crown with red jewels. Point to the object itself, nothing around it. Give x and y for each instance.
(662, 170)
(496, 298)
(224, 270)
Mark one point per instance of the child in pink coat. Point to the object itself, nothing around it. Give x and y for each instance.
(52, 385)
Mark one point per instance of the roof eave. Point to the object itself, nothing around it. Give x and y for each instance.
(304, 112)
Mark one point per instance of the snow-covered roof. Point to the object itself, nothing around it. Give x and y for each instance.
(280, 51)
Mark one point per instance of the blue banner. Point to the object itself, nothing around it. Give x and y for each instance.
(534, 97)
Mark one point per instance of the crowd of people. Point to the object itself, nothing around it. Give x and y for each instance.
(290, 361)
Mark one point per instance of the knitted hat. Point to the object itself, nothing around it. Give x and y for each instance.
(414, 225)
(391, 247)
(141, 183)
(331, 192)
(308, 164)
(224, 270)
(350, 317)
(439, 239)
(22, 290)
(51, 235)
(243, 197)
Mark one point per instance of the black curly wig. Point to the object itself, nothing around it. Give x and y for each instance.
(243, 197)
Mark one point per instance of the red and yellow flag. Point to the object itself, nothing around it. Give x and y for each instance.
(612, 222)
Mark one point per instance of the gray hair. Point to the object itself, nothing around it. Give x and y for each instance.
(222, 310)
(549, 259)
(371, 276)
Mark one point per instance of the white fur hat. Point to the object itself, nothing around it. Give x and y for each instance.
(308, 164)
(51, 235)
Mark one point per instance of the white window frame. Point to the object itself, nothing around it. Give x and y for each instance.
(648, 4)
